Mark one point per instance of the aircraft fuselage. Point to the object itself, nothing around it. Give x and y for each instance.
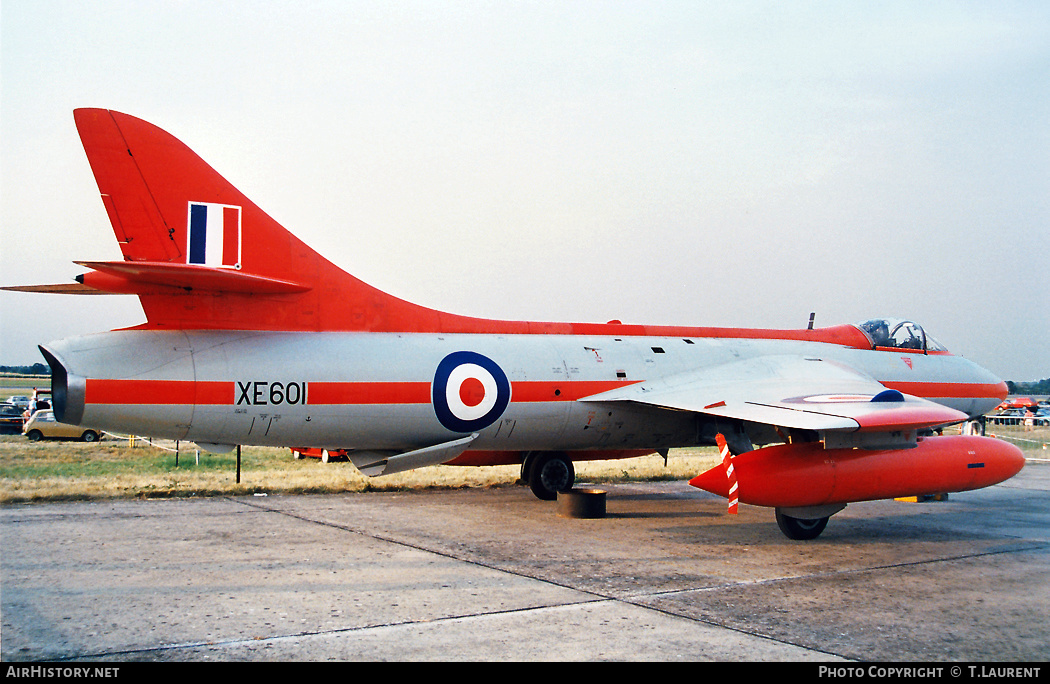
(390, 391)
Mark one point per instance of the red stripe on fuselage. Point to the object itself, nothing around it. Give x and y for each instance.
(563, 391)
(949, 390)
(157, 392)
(101, 391)
(328, 393)
(419, 392)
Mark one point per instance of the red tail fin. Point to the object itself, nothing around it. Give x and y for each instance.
(201, 255)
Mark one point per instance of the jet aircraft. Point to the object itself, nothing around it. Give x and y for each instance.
(253, 338)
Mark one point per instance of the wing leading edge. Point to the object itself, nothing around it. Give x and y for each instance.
(793, 392)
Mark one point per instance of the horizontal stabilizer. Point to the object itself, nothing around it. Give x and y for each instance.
(194, 277)
(374, 464)
(61, 288)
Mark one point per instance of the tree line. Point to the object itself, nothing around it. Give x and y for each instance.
(1037, 387)
(35, 369)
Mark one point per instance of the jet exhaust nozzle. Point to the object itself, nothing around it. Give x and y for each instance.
(67, 390)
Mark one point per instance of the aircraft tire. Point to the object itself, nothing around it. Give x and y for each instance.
(800, 529)
(549, 474)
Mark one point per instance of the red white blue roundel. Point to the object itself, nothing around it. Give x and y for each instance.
(470, 391)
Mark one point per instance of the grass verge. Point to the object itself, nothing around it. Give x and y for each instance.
(57, 471)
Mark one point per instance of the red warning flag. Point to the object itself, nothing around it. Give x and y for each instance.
(727, 464)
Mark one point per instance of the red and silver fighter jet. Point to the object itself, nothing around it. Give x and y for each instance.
(252, 337)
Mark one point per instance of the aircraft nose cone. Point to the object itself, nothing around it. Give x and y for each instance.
(995, 397)
(987, 389)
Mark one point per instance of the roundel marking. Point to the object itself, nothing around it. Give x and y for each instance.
(470, 391)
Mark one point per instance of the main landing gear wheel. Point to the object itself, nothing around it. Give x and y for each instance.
(800, 528)
(550, 473)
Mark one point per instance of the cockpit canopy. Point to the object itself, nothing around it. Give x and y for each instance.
(896, 333)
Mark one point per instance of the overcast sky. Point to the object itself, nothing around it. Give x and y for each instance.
(693, 163)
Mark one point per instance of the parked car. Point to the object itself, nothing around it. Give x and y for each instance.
(1008, 417)
(42, 425)
(1018, 416)
(1017, 402)
(10, 418)
(21, 401)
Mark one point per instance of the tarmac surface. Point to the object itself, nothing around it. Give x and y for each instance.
(497, 575)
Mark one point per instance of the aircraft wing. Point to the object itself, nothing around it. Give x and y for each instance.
(792, 392)
(374, 463)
